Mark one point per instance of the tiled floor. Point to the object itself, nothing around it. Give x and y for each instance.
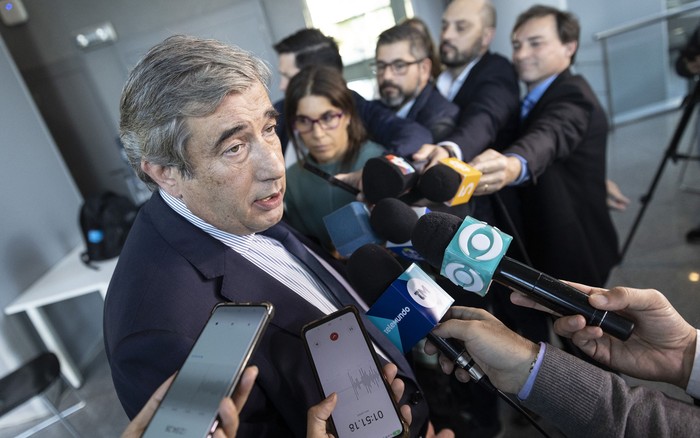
(658, 257)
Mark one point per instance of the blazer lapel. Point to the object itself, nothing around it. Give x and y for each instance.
(534, 112)
(293, 245)
(241, 280)
(245, 282)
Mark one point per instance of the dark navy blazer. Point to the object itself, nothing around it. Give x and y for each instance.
(169, 276)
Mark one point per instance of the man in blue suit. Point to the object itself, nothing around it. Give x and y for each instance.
(199, 129)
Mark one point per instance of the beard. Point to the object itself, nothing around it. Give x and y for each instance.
(392, 95)
(453, 58)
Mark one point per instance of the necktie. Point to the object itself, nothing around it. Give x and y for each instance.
(340, 297)
(526, 106)
(334, 291)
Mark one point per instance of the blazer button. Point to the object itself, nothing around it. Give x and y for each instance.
(415, 398)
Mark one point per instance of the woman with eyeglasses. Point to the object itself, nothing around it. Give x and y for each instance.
(328, 135)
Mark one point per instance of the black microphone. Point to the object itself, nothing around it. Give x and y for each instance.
(439, 183)
(394, 221)
(388, 176)
(470, 253)
(378, 278)
(451, 181)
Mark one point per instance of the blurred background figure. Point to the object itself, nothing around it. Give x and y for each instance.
(308, 47)
(322, 119)
(419, 24)
(688, 66)
(403, 65)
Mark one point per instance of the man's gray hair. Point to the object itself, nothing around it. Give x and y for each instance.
(181, 77)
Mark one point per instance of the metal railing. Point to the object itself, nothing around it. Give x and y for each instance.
(604, 36)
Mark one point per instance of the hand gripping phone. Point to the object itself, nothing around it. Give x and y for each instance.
(211, 371)
(345, 363)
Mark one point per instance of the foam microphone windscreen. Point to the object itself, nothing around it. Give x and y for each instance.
(439, 183)
(393, 220)
(432, 233)
(387, 177)
(370, 284)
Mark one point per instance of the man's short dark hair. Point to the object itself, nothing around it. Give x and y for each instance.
(568, 27)
(311, 47)
(417, 40)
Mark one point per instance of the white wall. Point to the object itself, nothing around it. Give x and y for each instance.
(39, 220)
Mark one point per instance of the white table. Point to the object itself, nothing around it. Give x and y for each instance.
(67, 279)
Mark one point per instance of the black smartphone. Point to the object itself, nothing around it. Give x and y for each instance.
(345, 363)
(211, 371)
(304, 162)
(330, 178)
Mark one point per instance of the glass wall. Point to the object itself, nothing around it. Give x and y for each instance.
(355, 26)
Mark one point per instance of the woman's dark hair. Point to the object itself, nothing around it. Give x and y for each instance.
(316, 80)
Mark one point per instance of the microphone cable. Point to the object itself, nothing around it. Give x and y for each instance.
(453, 350)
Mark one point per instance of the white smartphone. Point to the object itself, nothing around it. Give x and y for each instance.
(211, 371)
(345, 363)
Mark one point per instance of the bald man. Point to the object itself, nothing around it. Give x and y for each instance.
(483, 84)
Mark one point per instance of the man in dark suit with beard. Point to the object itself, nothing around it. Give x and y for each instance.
(483, 84)
(559, 158)
(403, 65)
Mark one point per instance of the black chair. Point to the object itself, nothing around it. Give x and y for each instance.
(35, 378)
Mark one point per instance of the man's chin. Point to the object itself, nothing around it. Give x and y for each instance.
(456, 63)
(269, 221)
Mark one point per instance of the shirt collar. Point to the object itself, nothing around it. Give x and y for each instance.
(449, 86)
(405, 109)
(240, 242)
(536, 93)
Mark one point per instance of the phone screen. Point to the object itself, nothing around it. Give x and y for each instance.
(211, 371)
(345, 364)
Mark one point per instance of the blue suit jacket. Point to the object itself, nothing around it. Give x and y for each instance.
(169, 276)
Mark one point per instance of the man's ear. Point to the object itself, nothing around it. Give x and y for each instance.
(167, 177)
(426, 67)
(487, 37)
(570, 48)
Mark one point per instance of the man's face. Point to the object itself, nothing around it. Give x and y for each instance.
(238, 181)
(403, 81)
(538, 53)
(287, 67)
(463, 36)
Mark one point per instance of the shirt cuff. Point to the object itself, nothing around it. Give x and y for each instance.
(524, 174)
(530, 382)
(693, 388)
(452, 146)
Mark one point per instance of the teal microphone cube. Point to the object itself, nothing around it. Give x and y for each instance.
(473, 254)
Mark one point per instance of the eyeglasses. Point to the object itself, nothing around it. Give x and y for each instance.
(399, 67)
(327, 121)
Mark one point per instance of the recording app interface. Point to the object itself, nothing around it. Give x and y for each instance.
(345, 366)
(190, 405)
